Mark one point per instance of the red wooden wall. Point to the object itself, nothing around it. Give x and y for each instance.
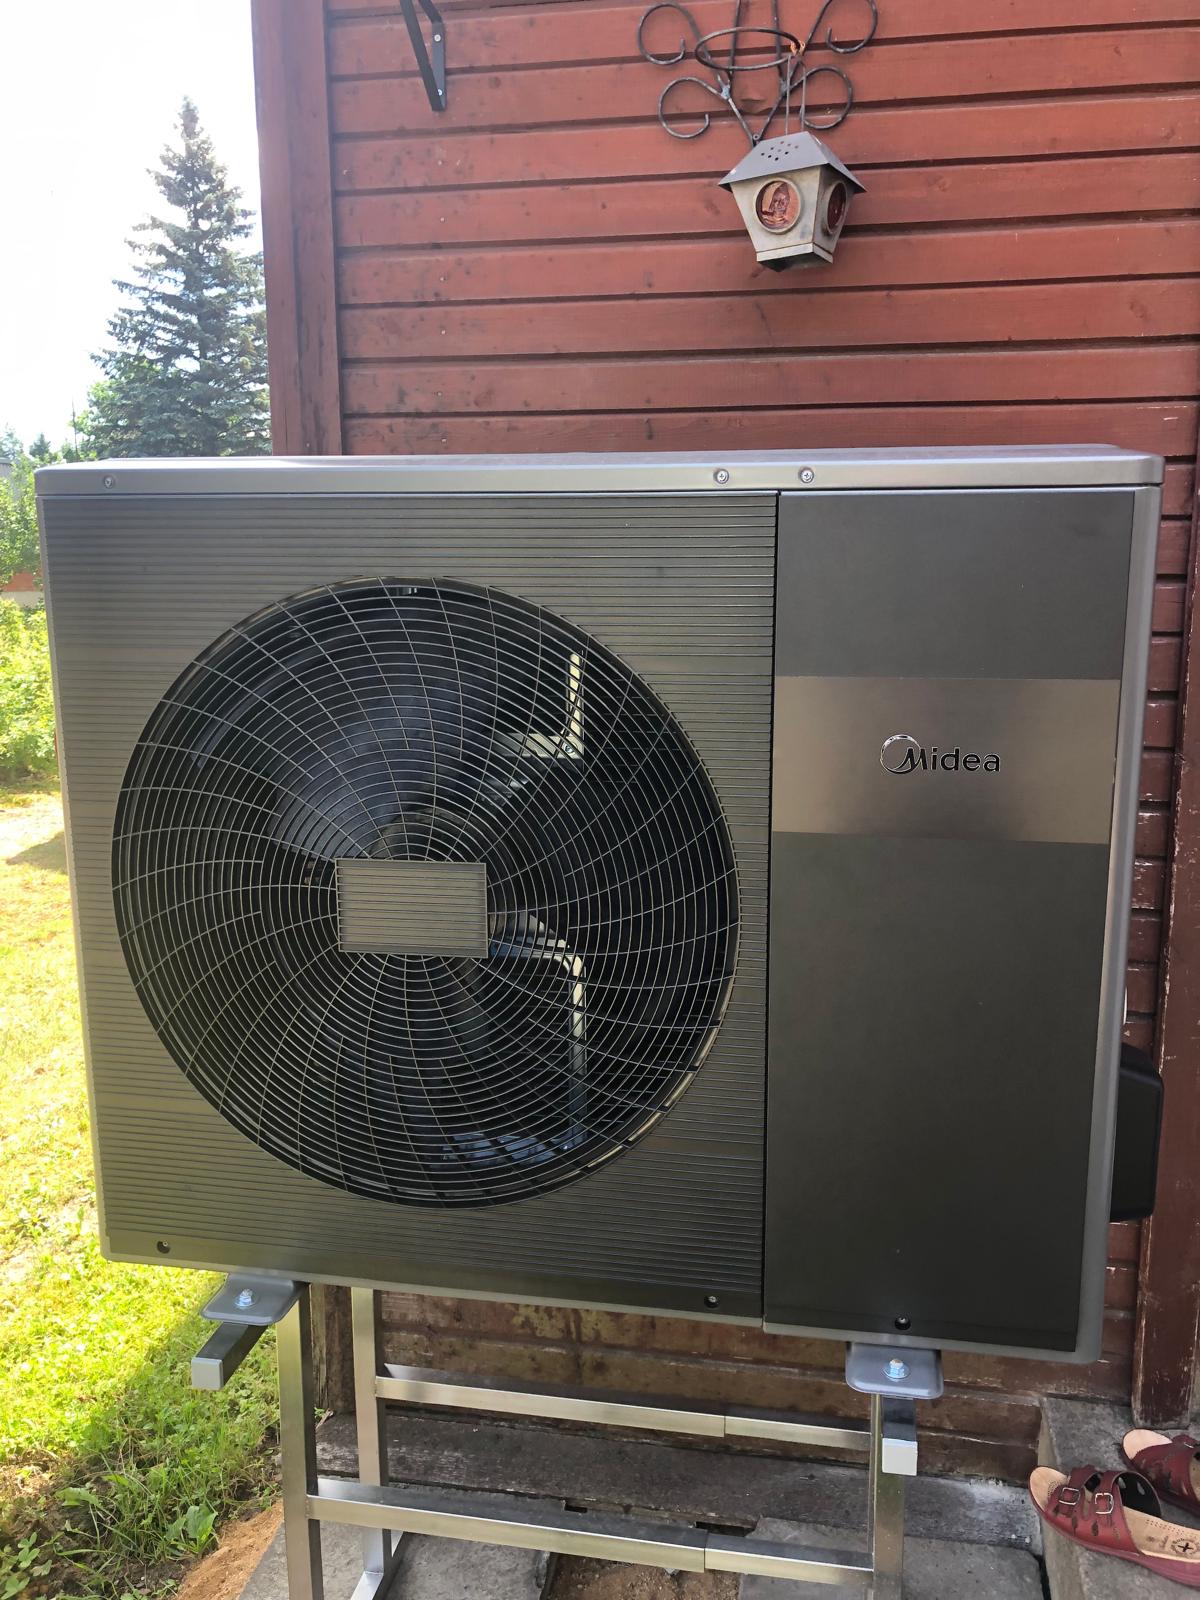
(543, 268)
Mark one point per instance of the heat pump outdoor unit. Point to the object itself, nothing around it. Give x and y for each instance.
(678, 882)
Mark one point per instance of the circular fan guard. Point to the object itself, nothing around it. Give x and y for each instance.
(434, 722)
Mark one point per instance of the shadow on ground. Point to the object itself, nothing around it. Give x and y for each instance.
(49, 856)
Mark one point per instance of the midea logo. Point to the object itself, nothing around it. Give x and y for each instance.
(903, 753)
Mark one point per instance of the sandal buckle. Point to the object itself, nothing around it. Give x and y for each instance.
(1105, 1510)
(1068, 1497)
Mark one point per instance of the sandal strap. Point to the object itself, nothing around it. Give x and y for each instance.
(1091, 1505)
(1170, 1465)
(1067, 1498)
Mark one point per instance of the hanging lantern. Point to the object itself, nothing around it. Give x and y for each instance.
(794, 195)
(793, 192)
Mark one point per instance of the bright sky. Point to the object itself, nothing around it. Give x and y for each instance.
(89, 90)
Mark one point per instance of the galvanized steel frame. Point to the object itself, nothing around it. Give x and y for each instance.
(381, 1510)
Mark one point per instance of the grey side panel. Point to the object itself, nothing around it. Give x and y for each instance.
(433, 908)
(954, 585)
(681, 587)
(943, 952)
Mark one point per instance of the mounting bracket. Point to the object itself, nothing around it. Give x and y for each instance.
(431, 60)
(245, 1306)
(911, 1373)
(895, 1379)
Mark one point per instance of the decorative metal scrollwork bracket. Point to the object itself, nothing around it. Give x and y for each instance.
(431, 58)
(788, 61)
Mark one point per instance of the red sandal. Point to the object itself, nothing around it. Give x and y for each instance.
(1171, 1465)
(1117, 1513)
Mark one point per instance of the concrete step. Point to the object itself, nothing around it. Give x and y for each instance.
(966, 1538)
(1077, 1433)
(934, 1569)
(668, 1479)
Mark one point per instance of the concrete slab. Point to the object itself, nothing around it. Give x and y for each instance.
(341, 1550)
(675, 1480)
(1074, 1434)
(983, 1533)
(934, 1569)
(449, 1569)
(429, 1569)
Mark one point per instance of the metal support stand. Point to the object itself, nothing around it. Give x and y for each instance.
(885, 1503)
(381, 1510)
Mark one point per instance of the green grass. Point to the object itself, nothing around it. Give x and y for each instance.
(112, 1471)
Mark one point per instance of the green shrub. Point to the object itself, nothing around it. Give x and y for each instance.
(19, 550)
(26, 701)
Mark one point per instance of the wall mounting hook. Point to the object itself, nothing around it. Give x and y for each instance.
(723, 53)
(431, 59)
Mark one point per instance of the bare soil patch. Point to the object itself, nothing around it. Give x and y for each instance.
(577, 1579)
(224, 1574)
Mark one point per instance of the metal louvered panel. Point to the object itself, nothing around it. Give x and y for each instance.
(412, 908)
(679, 589)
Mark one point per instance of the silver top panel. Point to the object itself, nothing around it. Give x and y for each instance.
(1071, 466)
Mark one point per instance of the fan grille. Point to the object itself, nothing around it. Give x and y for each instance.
(425, 723)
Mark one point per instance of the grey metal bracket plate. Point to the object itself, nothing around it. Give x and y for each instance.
(880, 1369)
(252, 1300)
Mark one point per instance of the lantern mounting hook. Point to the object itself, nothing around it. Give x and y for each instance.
(787, 60)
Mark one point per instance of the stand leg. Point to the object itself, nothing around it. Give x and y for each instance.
(885, 1516)
(370, 1413)
(298, 1451)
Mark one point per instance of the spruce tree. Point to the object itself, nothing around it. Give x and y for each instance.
(187, 374)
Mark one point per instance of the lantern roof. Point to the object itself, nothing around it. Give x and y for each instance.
(790, 152)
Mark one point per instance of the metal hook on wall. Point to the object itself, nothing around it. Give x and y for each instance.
(830, 42)
(431, 59)
(723, 92)
(789, 62)
(681, 53)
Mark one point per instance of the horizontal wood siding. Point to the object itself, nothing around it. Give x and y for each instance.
(543, 268)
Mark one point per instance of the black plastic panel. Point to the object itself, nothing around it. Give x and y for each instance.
(1139, 1124)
